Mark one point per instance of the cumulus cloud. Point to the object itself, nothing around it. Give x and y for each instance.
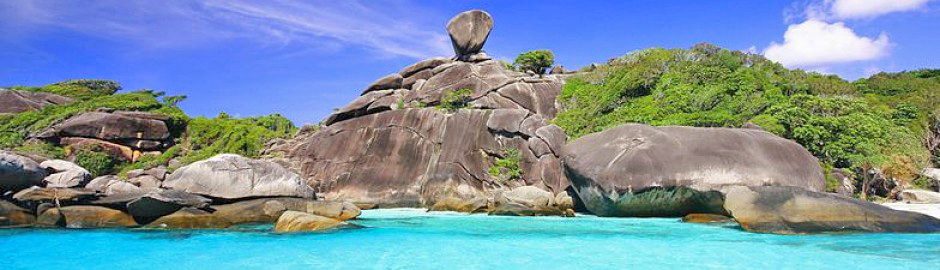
(815, 43)
(388, 28)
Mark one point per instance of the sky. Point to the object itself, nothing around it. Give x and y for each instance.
(302, 59)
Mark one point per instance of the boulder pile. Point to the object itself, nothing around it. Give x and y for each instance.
(122, 134)
(219, 192)
(449, 134)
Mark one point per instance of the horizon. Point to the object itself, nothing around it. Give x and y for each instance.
(307, 58)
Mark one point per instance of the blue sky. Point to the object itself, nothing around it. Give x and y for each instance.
(304, 58)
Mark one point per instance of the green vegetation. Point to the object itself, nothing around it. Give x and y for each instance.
(536, 61)
(454, 100)
(507, 167)
(881, 121)
(95, 161)
(195, 138)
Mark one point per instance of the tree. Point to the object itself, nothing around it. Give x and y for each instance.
(536, 61)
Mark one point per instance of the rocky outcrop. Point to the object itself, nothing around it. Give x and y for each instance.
(229, 176)
(54, 194)
(293, 221)
(84, 216)
(149, 205)
(117, 132)
(919, 196)
(793, 210)
(12, 101)
(639, 170)
(434, 139)
(65, 174)
(468, 31)
(532, 201)
(19, 172)
(111, 185)
(12, 215)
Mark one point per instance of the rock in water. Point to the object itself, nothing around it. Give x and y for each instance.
(84, 216)
(14, 216)
(66, 174)
(706, 218)
(19, 172)
(229, 176)
(293, 221)
(791, 210)
(469, 30)
(639, 170)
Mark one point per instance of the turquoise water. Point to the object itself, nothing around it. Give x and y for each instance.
(413, 239)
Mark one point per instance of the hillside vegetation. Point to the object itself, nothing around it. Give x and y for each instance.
(883, 122)
(195, 138)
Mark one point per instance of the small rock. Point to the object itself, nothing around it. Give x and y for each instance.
(706, 218)
(66, 174)
(390, 81)
(293, 221)
(919, 196)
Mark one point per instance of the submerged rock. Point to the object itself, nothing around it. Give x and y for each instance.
(293, 221)
(706, 218)
(792, 210)
(640, 170)
(84, 216)
(229, 176)
(252, 211)
(19, 172)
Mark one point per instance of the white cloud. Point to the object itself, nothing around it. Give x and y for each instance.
(855, 9)
(815, 43)
(388, 28)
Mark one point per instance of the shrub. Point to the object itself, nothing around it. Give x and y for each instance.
(206, 137)
(536, 61)
(454, 100)
(507, 167)
(81, 89)
(95, 161)
(882, 120)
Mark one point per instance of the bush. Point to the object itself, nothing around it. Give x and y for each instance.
(454, 100)
(95, 161)
(207, 137)
(80, 89)
(507, 167)
(882, 120)
(536, 61)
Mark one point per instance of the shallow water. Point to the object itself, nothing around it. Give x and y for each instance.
(413, 239)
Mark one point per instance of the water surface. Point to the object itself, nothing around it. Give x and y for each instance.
(413, 239)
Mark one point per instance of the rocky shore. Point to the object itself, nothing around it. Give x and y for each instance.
(464, 134)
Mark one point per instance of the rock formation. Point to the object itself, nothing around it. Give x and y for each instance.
(294, 221)
(122, 134)
(432, 133)
(788, 210)
(64, 174)
(12, 101)
(229, 176)
(19, 172)
(639, 170)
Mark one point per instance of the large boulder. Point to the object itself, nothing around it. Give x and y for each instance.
(14, 216)
(293, 221)
(229, 176)
(469, 30)
(85, 216)
(532, 201)
(640, 170)
(54, 194)
(19, 172)
(111, 185)
(793, 210)
(65, 174)
(12, 101)
(115, 126)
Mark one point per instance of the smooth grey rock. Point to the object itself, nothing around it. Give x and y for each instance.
(506, 120)
(682, 167)
(19, 172)
(66, 174)
(115, 127)
(390, 81)
(469, 30)
(230, 176)
(426, 64)
(12, 101)
(919, 196)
